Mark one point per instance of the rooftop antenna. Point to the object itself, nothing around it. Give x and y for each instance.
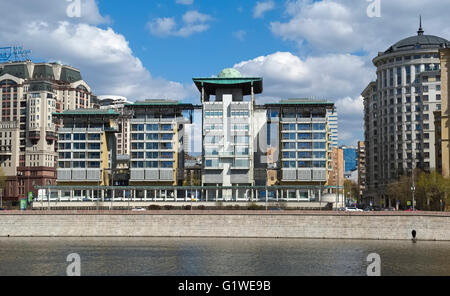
(421, 31)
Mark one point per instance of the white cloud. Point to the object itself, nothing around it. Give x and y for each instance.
(330, 29)
(103, 56)
(185, 2)
(262, 7)
(240, 35)
(193, 22)
(341, 26)
(334, 77)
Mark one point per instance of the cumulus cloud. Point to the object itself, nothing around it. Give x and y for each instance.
(104, 57)
(262, 7)
(340, 26)
(192, 22)
(334, 77)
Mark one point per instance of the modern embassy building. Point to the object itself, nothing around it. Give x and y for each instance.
(398, 111)
(246, 147)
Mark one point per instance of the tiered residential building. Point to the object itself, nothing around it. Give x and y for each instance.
(30, 93)
(398, 108)
(228, 130)
(86, 150)
(156, 139)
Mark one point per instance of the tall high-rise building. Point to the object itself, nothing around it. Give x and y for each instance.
(361, 168)
(444, 132)
(350, 158)
(30, 93)
(332, 118)
(398, 108)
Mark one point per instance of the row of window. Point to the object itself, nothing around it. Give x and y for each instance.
(304, 136)
(78, 146)
(79, 137)
(151, 164)
(151, 127)
(152, 137)
(237, 163)
(304, 164)
(304, 145)
(305, 154)
(304, 127)
(152, 155)
(79, 155)
(78, 164)
(237, 151)
(235, 139)
(151, 146)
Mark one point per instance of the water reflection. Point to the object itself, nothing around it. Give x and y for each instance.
(195, 256)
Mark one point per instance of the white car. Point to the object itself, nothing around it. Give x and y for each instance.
(138, 209)
(353, 209)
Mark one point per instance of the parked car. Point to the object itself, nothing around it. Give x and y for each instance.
(2, 209)
(368, 209)
(389, 209)
(138, 209)
(353, 209)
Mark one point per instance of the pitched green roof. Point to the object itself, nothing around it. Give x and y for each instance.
(301, 102)
(212, 83)
(88, 112)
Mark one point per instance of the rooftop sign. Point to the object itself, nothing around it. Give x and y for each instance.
(14, 53)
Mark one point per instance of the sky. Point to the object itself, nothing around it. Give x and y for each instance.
(146, 49)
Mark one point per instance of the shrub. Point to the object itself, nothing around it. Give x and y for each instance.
(154, 207)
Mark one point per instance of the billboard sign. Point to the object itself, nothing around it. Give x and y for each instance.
(14, 53)
(5, 53)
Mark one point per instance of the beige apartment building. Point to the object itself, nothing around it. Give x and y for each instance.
(30, 93)
(444, 157)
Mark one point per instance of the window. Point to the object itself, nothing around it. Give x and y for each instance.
(242, 139)
(304, 127)
(137, 127)
(152, 127)
(152, 137)
(148, 146)
(241, 163)
(304, 136)
(319, 136)
(151, 164)
(319, 126)
(304, 145)
(304, 155)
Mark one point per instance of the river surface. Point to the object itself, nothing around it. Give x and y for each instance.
(220, 257)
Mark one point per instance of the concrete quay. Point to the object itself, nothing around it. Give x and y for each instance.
(239, 224)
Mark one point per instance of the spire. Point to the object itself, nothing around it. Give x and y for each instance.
(421, 31)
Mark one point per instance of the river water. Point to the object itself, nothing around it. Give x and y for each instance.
(220, 257)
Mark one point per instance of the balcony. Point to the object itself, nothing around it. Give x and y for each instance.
(224, 154)
(51, 136)
(5, 150)
(34, 136)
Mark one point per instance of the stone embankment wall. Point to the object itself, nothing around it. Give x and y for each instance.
(248, 224)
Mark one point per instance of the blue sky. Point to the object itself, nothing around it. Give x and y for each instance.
(152, 49)
(201, 54)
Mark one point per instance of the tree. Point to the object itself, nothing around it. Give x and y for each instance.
(400, 190)
(351, 189)
(432, 189)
